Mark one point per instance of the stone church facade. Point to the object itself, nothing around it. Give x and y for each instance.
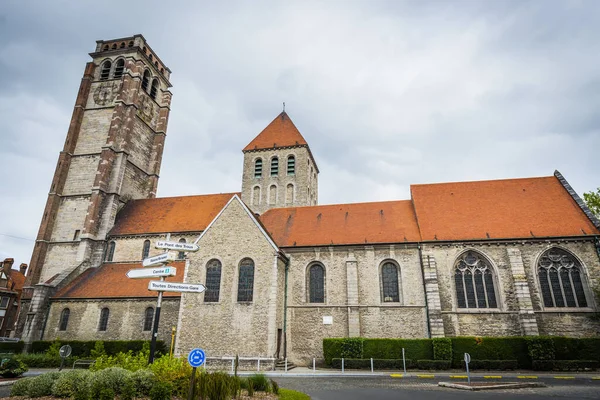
(489, 258)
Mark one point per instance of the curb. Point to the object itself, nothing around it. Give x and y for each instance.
(494, 387)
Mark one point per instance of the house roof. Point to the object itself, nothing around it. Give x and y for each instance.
(169, 214)
(359, 223)
(110, 281)
(18, 278)
(508, 208)
(281, 132)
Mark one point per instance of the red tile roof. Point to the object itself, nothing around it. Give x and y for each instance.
(110, 281)
(18, 278)
(510, 208)
(169, 214)
(360, 223)
(281, 132)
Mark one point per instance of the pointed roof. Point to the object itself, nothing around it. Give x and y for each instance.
(281, 132)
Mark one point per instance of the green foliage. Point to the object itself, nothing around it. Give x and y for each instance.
(54, 349)
(287, 394)
(12, 368)
(98, 350)
(113, 378)
(20, 387)
(250, 387)
(565, 365)
(143, 380)
(130, 361)
(174, 370)
(592, 199)
(490, 348)
(576, 349)
(274, 387)
(42, 385)
(496, 365)
(361, 363)
(442, 349)
(161, 391)
(392, 348)
(12, 347)
(332, 347)
(128, 391)
(67, 383)
(540, 348)
(218, 386)
(260, 382)
(37, 360)
(83, 349)
(434, 364)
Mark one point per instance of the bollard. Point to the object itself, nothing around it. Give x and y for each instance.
(371, 364)
(342, 365)
(286, 364)
(313, 365)
(232, 366)
(404, 361)
(258, 365)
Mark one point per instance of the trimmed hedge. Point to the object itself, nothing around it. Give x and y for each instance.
(361, 363)
(490, 348)
(390, 349)
(442, 349)
(566, 365)
(82, 349)
(496, 365)
(11, 347)
(433, 364)
(576, 349)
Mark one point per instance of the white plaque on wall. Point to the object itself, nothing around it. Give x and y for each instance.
(327, 320)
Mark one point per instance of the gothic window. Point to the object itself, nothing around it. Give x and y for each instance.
(246, 280)
(289, 194)
(105, 71)
(272, 194)
(561, 280)
(474, 281)
(390, 290)
(110, 252)
(316, 283)
(258, 168)
(146, 249)
(146, 80)
(256, 195)
(181, 254)
(103, 323)
(119, 67)
(64, 319)
(213, 281)
(291, 165)
(154, 88)
(148, 319)
(274, 166)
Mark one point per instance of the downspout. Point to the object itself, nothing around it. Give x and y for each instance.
(424, 291)
(45, 320)
(285, 292)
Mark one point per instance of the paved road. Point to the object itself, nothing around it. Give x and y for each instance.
(385, 388)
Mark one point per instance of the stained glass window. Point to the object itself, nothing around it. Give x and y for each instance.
(148, 318)
(246, 280)
(316, 277)
(389, 283)
(103, 324)
(474, 281)
(561, 285)
(213, 281)
(64, 319)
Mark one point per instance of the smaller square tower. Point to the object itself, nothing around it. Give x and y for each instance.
(279, 168)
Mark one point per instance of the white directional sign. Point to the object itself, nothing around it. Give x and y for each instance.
(157, 260)
(151, 272)
(176, 246)
(163, 286)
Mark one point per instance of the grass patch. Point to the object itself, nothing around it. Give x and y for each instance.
(287, 394)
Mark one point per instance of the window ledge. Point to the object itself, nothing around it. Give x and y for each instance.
(480, 311)
(566, 310)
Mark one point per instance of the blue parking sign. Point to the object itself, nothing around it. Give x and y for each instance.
(196, 357)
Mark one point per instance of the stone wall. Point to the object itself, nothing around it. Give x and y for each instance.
(129, 248)
(81, 175)
(94, 128)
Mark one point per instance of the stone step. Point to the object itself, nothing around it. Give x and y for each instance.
(280, 365)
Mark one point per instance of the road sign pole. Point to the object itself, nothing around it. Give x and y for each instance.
(155, 327)
(192, 386)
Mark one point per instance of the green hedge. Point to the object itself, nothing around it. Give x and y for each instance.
(11, 347)
(82, 349)
(434, 364)
(490, 348)
(415, 349)
(566, 365)
(576, 349)
(495, 365)
(361, 363)
(442, 349)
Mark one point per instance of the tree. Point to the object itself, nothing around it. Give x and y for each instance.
(592, 199)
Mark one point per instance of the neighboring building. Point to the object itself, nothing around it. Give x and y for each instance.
(488, 258)
(11, 287)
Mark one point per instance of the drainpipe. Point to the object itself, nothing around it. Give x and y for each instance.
(424, 291)
(285, 296)
(597, 243)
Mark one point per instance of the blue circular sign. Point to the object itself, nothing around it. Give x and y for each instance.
(196, 357)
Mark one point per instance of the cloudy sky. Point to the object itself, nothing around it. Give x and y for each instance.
(387, 93)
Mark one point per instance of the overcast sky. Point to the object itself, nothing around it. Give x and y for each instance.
(387, 93)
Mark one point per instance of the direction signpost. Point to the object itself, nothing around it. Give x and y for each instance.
(141, 273)
(467, 361)
(161, 244)
(160, 259)
(176, 287)
(196, 358)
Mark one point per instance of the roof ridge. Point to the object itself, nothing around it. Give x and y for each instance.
(339, 204)
(481, 181)
(190, 195)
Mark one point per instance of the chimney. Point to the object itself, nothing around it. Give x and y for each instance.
(23, 268)
(8, 262)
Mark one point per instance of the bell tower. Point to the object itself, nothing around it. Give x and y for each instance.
(112, 153)
(279, 168)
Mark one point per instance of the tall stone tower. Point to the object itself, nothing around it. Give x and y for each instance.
(279, 168)
(112, 154)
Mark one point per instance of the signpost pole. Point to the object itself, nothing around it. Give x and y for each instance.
(155, 327)
(467, 361)
(192, 386)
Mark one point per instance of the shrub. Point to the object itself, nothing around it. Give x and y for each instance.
(128, 361)
(113, 378)
(161, 391)
(342, 348)
(67, 383)
(392, 348)
(12, 347)
(128, 391)
(143, 380)
(260, 382)
(21, 387)
(442, 349)
(540, 348)
(576, 349)
(37, 360)
(487, 348)
(218, 386)
(98, 350)
(12, 368)
(565, 365)
(174, 370)
(498, 365)
(275, 387)
(42, 385)
(353, 363)
(250, 387)
(434, 364)
(83, 349)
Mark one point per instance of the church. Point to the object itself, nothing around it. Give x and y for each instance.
(504, 257)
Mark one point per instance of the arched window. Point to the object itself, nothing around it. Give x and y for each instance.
(114, 46)
(474, 281)
(146, 80)
(256, 195)
(213, 281)
(289, 194)
(151, 57)
(103, 323)
(105, 70)
(105, 47)
(119, 68)
(258, 168)
(390, 290)
(148, 319)
(146, 249)
(291, 165)
(561, 279)
(122, 46)
(154, 88)
(316, 283)
(272, 194)
(110, 252)
(64, 319)
(130, 44)
(274, 166)
(181, 254)
(246, 280)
